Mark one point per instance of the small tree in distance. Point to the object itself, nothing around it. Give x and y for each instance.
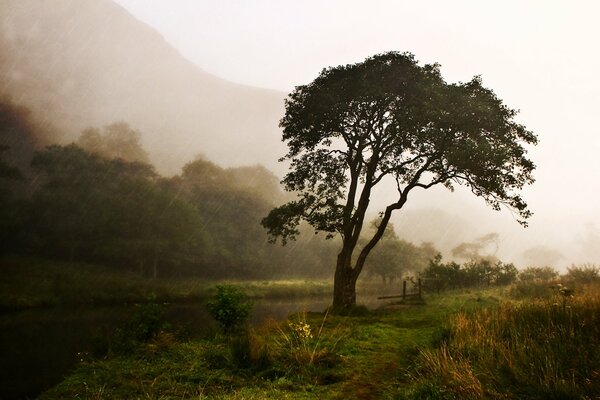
(390, 118)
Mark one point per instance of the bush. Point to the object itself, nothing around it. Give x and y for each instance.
(538, 274)
(145, 328)
(586, 273)
(230, 307)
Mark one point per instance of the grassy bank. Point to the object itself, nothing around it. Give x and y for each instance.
(367, 355)
(459, 345)
(27, 282)
(533, 348)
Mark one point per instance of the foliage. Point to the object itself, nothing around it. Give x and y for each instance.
(476, 250)
(394, 257)
(389, 118)
(587, 273)
(144, 326)
(230, 308)
(10, 220)
(93, 208)
(475, 273)
(534, 282)
(98, 201)
(231, 203)
(117, 140)
(538, 274)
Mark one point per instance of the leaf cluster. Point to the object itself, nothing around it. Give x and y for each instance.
(389, 117)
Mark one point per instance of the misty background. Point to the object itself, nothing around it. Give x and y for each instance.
(207, 81)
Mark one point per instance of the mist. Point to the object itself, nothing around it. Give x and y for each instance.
(81, 64)
(141, 168)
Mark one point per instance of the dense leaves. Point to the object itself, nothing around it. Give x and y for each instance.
(389, 118)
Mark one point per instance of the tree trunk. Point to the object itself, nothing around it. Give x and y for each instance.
(344, 283)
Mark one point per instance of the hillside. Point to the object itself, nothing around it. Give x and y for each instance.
(80, 63)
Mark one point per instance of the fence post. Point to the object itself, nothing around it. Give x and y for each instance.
(404, 290)
(419, 287)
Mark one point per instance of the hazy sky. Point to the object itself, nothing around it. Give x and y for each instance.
(539, 56)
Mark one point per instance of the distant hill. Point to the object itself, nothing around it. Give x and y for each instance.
(81, 63)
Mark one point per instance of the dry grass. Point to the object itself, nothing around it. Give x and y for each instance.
(525, 349)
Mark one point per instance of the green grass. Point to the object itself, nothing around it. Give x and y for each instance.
(365, 356)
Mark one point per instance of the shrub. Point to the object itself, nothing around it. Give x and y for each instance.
(230, 307)
(586, 273)
(145, 327)
(538, 274)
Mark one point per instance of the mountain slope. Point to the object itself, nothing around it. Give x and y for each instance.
(80, 63)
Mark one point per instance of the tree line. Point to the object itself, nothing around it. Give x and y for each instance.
(100, 200)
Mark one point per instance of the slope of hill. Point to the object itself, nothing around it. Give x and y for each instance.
(80, 63)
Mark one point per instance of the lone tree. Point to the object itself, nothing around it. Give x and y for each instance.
(389, 118)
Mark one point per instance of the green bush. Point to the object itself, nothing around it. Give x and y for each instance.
(230, 307)
(146, 326)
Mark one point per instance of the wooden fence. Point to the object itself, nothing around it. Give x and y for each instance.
(406, 295)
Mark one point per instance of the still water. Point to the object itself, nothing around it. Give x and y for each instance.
(38, 347)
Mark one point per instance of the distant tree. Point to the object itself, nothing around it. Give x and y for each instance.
(586, 273)
(231, 212)
(9, 212)
(538, 274)
(542, 256)
(258, 180)
(390, 119)
(394, 257)
(483, 248)
(117, 140)
(441, 276)
(8, 172)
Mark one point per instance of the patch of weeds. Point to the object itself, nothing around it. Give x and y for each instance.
(307, 351)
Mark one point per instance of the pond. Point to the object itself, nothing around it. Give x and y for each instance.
(39, 347)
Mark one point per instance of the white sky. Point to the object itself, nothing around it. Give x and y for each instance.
(542, 57)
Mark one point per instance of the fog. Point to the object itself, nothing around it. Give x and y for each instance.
(210, 78)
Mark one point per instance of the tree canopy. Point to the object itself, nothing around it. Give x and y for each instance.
(390, 118)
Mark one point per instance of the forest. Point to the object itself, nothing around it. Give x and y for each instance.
(99, 200)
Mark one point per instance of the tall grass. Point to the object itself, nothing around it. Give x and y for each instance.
(527, 349)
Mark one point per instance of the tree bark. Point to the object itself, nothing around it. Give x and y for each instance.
(344, 283)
